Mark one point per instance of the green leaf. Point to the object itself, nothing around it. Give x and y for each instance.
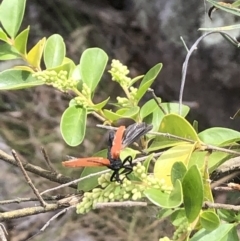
(34, 56)
(163, 166)
(147, 81)
(209, 220)
(148, 108)
(73, 125)
(8, 52)
(13, 79)
(54, 51)
(121, 113)
(147, 161)
(176, 125)
(157, 113)
(3, 35)
(90, 183)
(192, 193)
(178, 171)
(224, 232)
(20, 43)
(178, 217)
(11, 15)
(100, 105)
(165, 212)
(166, 200)
(219, 136)
(92, 65)
(227, 215)
(214, 160)
(226, 7)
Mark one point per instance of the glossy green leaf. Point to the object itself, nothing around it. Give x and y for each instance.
(20, 43)
(11, 15)
(147, 81)
(148, 108)
(163, 166)
(147, 161)
(227, 215)
(73, 125)
(214, 160)
(178, 171)
(8, 52)
(219, 136)
(121, 113)
(166, 200)
(209, 220)
(100, 105)
(178, 217)
(34, 56)
(224, 232)
(165, 212)
(176, 125)
(192, 193)
(3, 35)
(92, 65)
(134, 80)
(67, 66)
(13, 79)
(54, 51)
(225, 7)
(90, 183)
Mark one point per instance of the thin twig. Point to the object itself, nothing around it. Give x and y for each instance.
(36, 192)
(25, 212)
(3, 232)
(224, 179)
(31, 199)
(185, 64)
(46, 158)
(221, 206)
(157, 101)
(54, 177)
(225, 189)
(50, 220)
(140, 159)
(120, 204)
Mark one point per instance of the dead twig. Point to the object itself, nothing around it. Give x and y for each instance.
(120, 204)
(157, 101)
(3, 232)
(46, 158)
(54, 177)
(221, 206)
(31, 199)
(30, 183)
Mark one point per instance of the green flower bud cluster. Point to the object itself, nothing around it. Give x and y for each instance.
(123, 101)
(82, 101)
(165, 239)
(58, 80)
(133, 93)
(86, 91)
(112, 191)
(119, 73)
(183, 230)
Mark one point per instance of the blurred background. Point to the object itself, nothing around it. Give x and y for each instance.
(140, 34)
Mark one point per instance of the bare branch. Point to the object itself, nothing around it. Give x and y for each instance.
(3, 232)
(157, 101)
(221, 206)
(30, 183)
(120, 204)
(54, 177)
(46, 158)
(24, 212)
(31, 199)
(50, 220)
